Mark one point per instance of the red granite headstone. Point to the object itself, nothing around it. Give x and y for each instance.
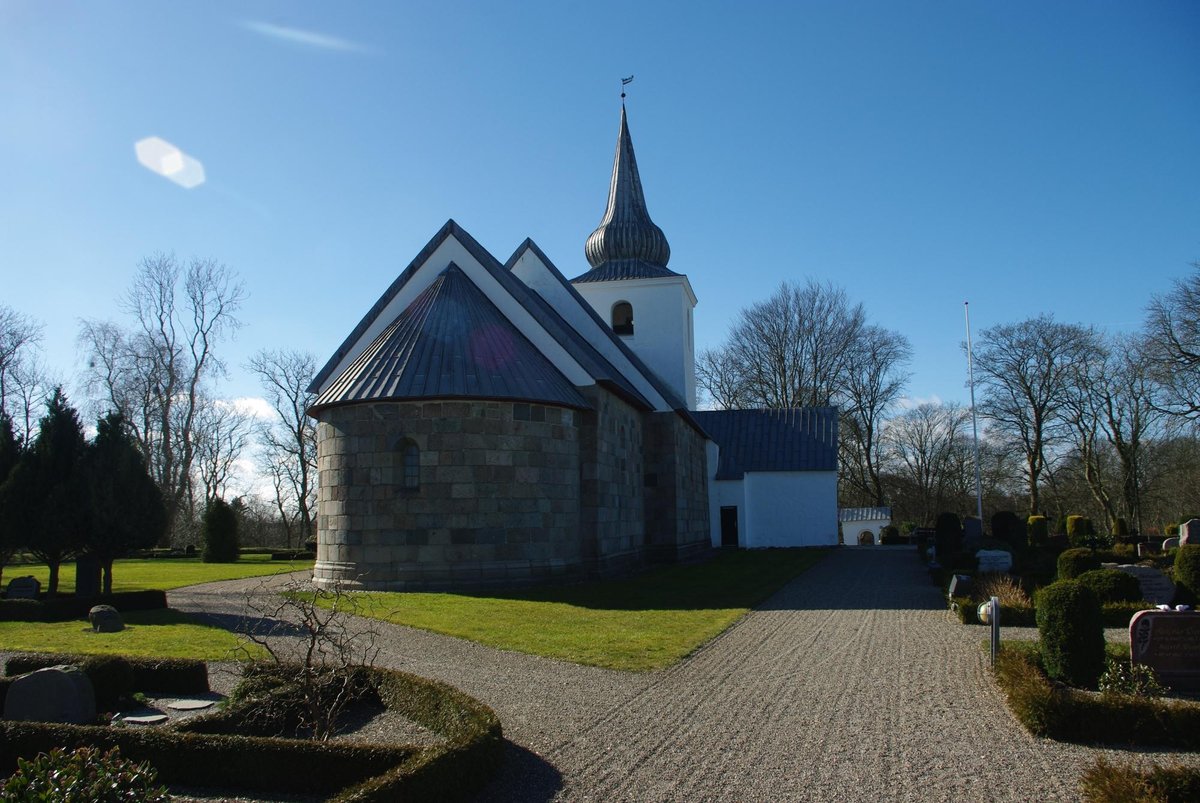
(1169, 643)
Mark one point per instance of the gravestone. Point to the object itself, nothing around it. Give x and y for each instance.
(87, 576)
(1156, 587)
(972, 533)
(994, 560)
(1169, 643)
(26, 587)
(1189, 532)
(1170, 543)
(960, 586)
(53, 694)
(105, 619)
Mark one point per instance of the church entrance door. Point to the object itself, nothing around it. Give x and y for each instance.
(729, 530)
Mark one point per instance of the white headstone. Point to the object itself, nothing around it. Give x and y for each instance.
(994, 560)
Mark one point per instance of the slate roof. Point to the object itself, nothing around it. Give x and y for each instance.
(451, 342)
(599, 368)
(627, 244)
(863, 513)
(676, 403)
(800, 439)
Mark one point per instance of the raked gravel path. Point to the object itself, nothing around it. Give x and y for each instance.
(850, 684)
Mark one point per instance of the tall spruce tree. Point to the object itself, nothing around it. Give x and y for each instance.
(125, 507)
(51, 487)
(10, 455)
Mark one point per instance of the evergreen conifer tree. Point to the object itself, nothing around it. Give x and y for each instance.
(219, 527)
(10, 528)
(125, 507)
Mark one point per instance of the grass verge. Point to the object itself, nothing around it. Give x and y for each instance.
(636, 624)
(152, 634)
(1111, 783)
(139, 574)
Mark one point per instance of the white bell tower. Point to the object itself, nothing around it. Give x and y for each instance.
(629, 285)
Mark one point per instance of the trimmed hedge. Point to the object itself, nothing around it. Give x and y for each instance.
(1071, 633)
(1112, 585)
(192, 754)
(174, 675)
(1114, 614)
(1076, 561)
(64, 609)
(1070, 715)
(1109, 783)
(1187, 573)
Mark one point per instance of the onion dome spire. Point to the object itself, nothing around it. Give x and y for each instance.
(627, 243)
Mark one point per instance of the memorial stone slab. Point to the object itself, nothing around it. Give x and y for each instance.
(994, 560)
(53, 694)
(1169, 643)
(1189, 532)
(972, 533)
(1156, 587)
(189, 705)
(26, 587)
(105, 619)
(145, 719)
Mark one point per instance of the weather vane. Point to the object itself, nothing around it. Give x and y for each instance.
(624, 83)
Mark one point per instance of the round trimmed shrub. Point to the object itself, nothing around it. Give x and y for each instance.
(1187, 574)
(1112, 585)
(1080, 530)
(219, 529)
(1074, 562)
(1071, 633)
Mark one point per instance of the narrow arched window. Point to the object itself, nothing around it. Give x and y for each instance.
(622, 318)
(410, 464)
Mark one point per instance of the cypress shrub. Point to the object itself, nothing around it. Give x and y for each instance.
(1187, 574)
(1007, 527)
(1060, 525)
(1038, 530)
(1070, 633)
(1074, 562)
(1080, 530)
(948, 536)
(1111, 585)
(1120, 528)
(1172, 530)
(219, 529)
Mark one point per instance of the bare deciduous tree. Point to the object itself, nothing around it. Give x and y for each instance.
(927, 446)
(24, 386)
(290, 441)
(873, 384)
(222, 432)
(154, 373)
(1173, 346)
(1025, 372)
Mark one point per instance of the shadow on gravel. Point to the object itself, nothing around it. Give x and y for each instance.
(252, 625)
(525, 777)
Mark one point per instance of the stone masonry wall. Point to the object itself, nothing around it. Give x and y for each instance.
(677, 514)
(498, 498)
(611, 454)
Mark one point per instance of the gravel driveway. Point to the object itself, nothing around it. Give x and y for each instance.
(850, 684)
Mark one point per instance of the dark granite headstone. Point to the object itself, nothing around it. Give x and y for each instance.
(960, 586)
(105, 619)
(53, 694)
(1169, 643)
(87, 576)
(1189, 532)
(1156, 587)
(972, 533)
(26, 587)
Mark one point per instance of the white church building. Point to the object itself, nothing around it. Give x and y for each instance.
(491, 422)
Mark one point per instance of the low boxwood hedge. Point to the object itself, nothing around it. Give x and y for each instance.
(63, 609)
(173, 675)
(1115, 614)
(202, 752)
(1070, 715)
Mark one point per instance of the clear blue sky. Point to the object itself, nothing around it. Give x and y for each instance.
(1028, 156)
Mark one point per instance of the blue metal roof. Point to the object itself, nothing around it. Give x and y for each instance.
(618, 269)
(798, 439)
(451, 343)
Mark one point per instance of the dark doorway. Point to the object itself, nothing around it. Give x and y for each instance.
(729, 532)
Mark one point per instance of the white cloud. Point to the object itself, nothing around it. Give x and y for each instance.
(909, 402)
(253, 406)
(300, 36)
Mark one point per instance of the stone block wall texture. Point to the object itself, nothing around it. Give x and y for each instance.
(612, 452)
(498, 498)
(677, 515)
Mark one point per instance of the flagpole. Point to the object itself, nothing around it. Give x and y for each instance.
(974, 419)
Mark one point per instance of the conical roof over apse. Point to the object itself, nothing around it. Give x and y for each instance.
(451, 342)
(627, 244)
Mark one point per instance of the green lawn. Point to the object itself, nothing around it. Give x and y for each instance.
(639, 624)
(157, 634)
(138, 574)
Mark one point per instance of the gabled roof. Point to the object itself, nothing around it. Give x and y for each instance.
(597, 367)
(627, 244)
(799, 439)
(673, 400)
(451, 343)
